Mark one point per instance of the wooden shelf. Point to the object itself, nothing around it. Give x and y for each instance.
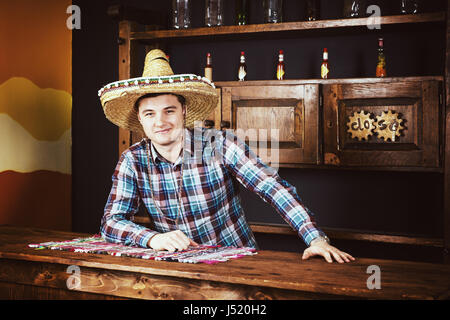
(288, 26)
(356, 168)
(351, 235)
(338, 234)
(324, 81)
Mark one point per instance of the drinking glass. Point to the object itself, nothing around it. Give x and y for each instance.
(273, 11)
(181, 14)
(354, 8)
(409, 6)
(213, 13)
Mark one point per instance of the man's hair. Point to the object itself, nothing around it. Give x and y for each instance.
(181, 99)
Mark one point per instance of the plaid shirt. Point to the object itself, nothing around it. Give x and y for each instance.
(213, 162)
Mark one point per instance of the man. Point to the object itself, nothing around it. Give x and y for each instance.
(186, 180)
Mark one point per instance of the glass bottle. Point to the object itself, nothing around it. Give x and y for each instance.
(354, 8)
(273, 11)
(213, 13)
(381, 65)
(242, 12)
(312, 10)
(242, 72)
(181, 14)
(208, 67)
(409, 6)
(280, 66)
(324, 68)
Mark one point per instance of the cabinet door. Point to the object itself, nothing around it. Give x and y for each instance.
(382, 124)
(280, 123)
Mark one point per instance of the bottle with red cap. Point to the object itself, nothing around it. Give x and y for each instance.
(381, 65)
(242, 72)
(280, 66)
(208, 67)
(324, 69)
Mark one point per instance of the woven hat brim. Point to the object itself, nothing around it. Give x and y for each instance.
(118, 104)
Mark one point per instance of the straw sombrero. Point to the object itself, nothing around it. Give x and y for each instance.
(118, 98)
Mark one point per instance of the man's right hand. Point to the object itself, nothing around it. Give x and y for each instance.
(171, 241)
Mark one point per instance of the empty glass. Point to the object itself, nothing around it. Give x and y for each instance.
(354, 8)
(213, 13)
(409, 6)
(181, 14)
(273, 11)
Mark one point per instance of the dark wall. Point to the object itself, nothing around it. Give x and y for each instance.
(94, 139)
(399, 202)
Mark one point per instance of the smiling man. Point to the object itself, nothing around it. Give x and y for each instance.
(162, 119)
(191, 195)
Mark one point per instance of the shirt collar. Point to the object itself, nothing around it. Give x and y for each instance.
(187, 149)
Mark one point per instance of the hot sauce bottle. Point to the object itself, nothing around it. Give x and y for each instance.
(208, 67)
(324, 69)
(280, 66)
(381, 66)
(242, 72)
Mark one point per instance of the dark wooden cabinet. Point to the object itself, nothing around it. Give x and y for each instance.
(384, 123)
(213, 119)
(388, 122)
(279, 122)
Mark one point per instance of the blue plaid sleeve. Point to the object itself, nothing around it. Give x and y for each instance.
(123, 203)
(256, 176)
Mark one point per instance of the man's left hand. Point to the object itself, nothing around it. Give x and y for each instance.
(322, 248)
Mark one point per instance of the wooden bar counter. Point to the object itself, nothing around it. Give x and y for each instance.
(27, 273)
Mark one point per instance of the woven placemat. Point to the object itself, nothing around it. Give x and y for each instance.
(96, 244)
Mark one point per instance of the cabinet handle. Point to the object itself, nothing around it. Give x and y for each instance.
(225, 124)
(208, 123)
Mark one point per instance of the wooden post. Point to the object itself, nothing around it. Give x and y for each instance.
(127, 68)
(447, 145)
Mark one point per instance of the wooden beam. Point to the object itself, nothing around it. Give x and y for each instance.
(14, 291)
(267, 275)
(388, 80)
(338, 234)
(289, 26)
(50, 280)
(447, 144)
(128, 68)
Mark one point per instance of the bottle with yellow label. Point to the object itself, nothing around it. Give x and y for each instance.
(324, 69)
(280, 66)
(381, 65)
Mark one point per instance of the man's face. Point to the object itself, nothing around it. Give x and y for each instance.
(162, 119)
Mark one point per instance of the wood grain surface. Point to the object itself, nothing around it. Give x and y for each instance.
(289, 26)
(268, 275)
